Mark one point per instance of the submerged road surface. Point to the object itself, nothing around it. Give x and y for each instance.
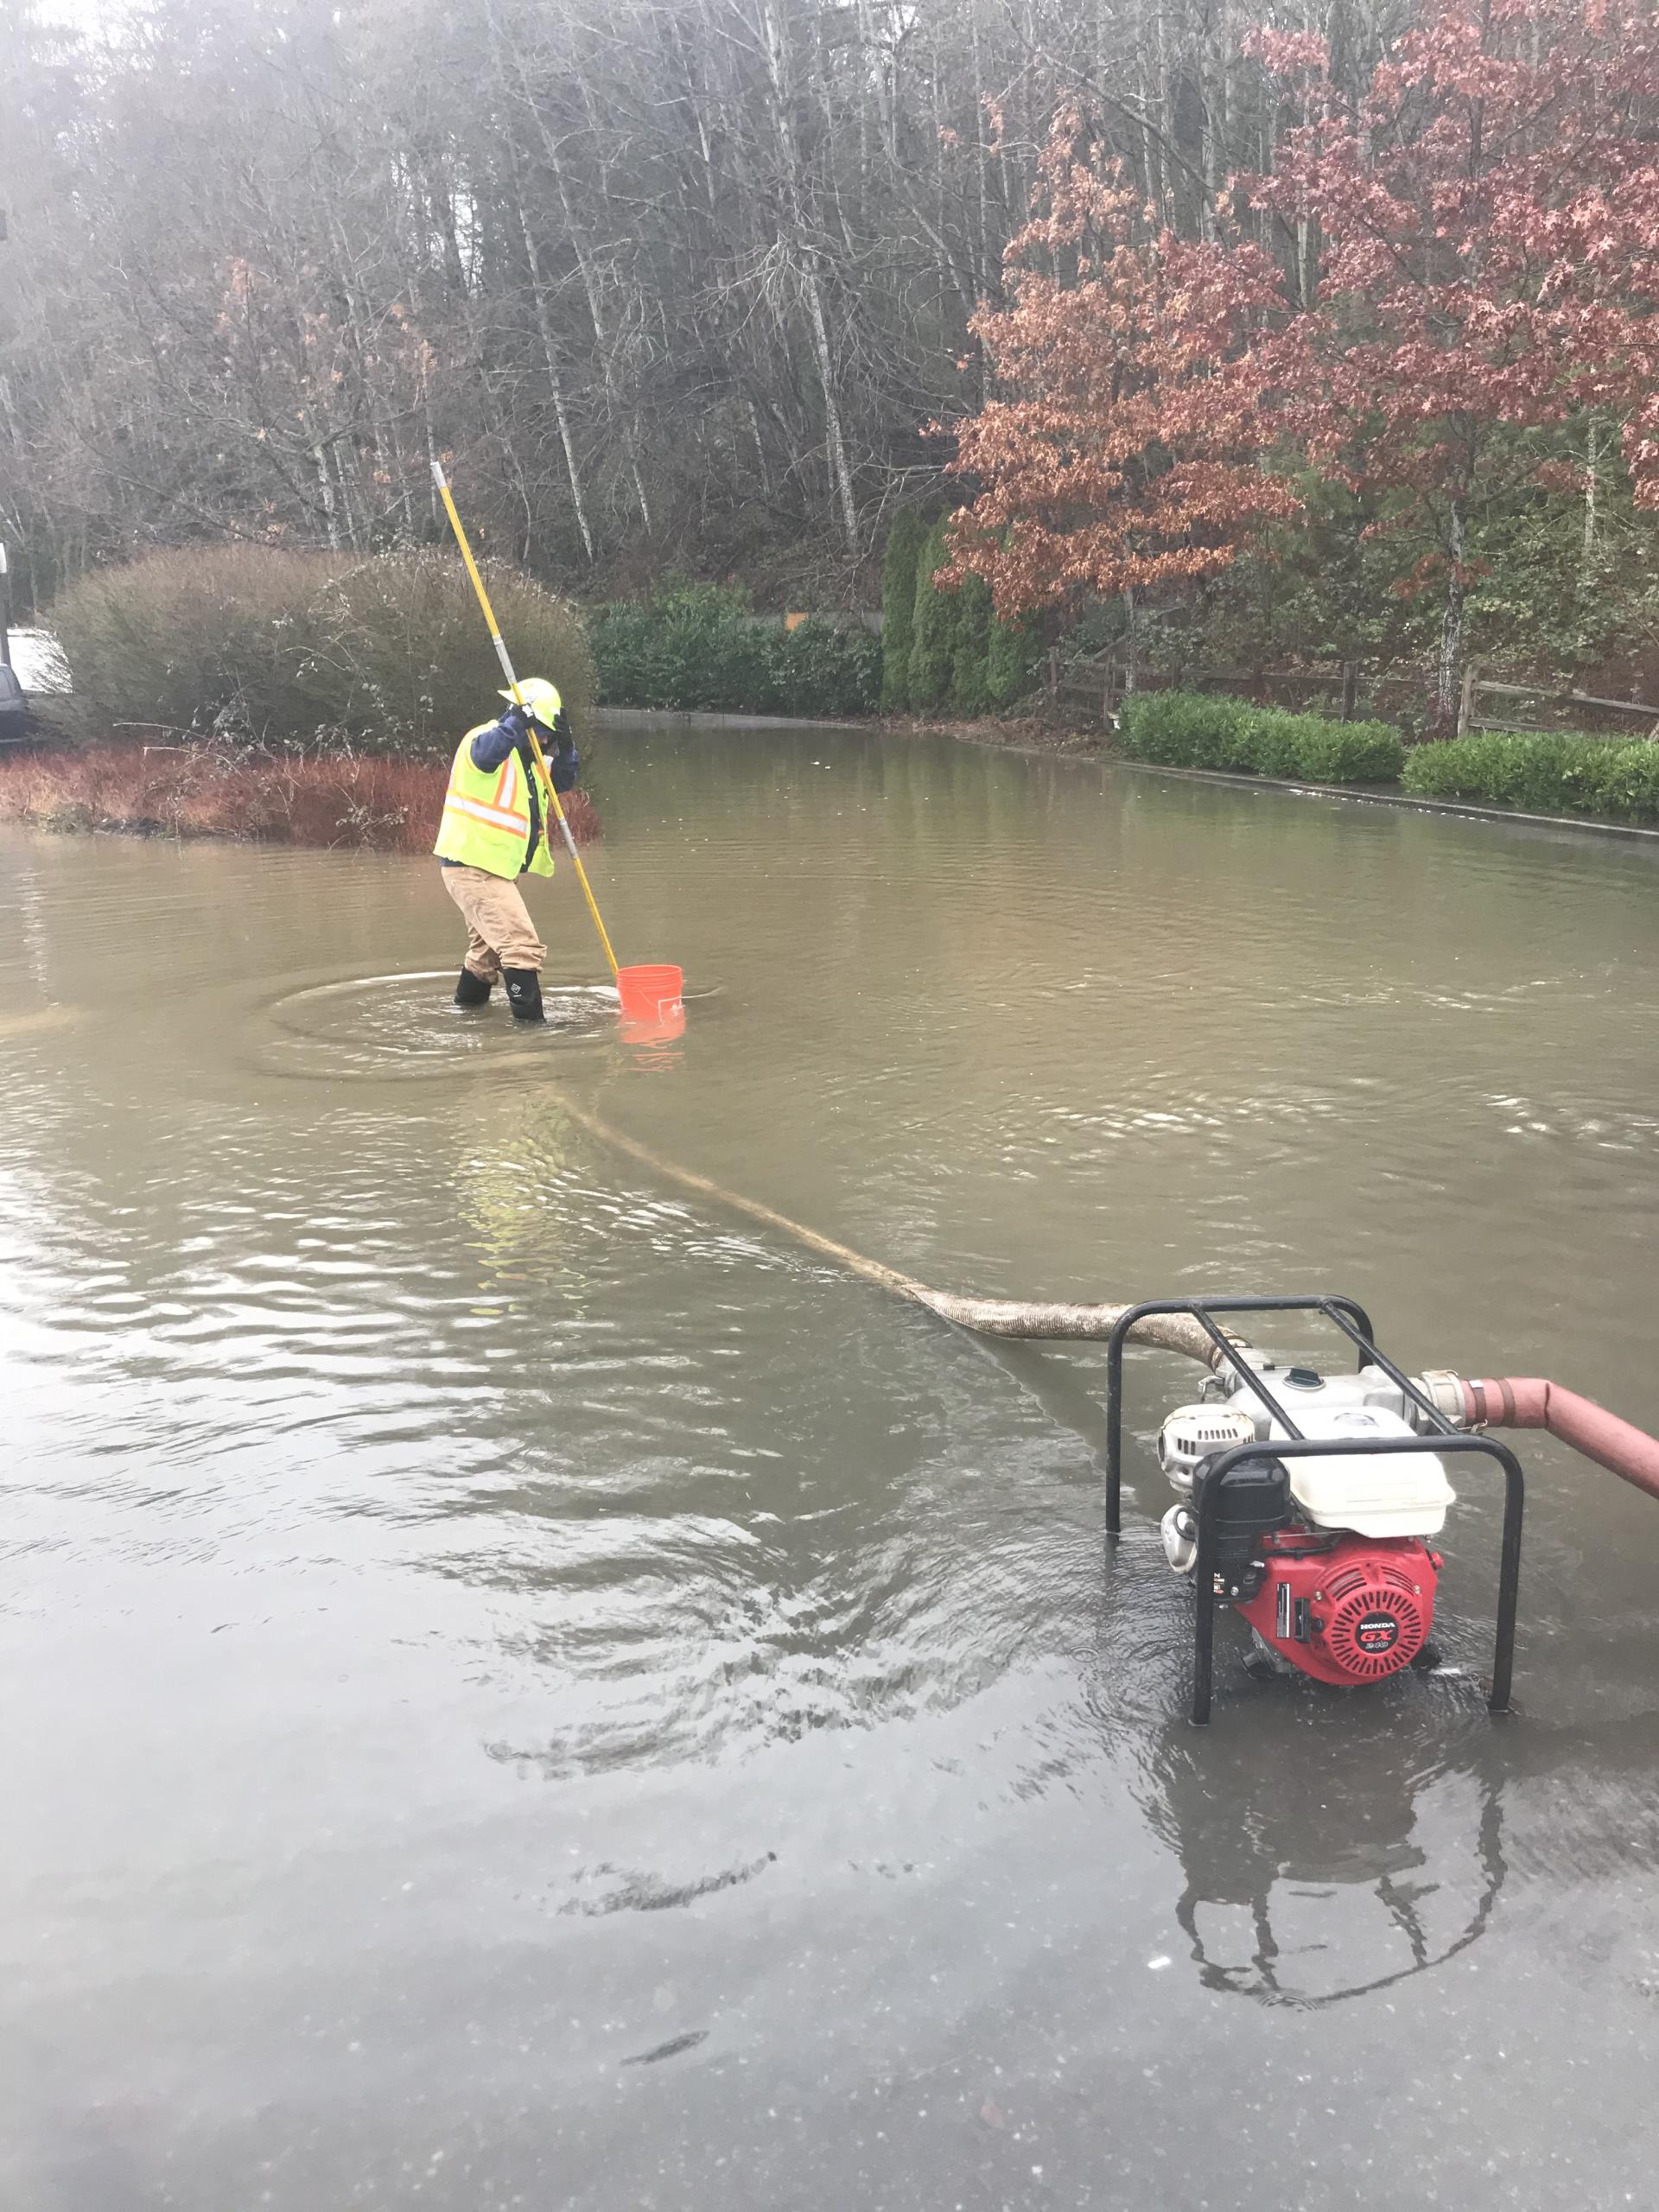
(519, 1690)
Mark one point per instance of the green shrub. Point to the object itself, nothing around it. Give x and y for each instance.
(933, 633)
(688, 645)
(1189, 729)
(822, 672)
(899, 566)
(1183, 729)
(1349, 753)
(1623, 780)
(1515, 770)
(1319, 751)
(1270, 741)
(1540, 772)
(261, 646)
(697, 647)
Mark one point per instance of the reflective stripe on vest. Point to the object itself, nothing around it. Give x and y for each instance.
(505, 807)
(491, 814)
(486, 816)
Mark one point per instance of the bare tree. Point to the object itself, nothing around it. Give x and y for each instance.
(673, 280)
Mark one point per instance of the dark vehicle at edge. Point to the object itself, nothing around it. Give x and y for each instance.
(14, 707)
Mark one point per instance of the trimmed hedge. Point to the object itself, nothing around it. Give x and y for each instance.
(1541, 773)
(694, 647)
(1189, 729)
(256, 645)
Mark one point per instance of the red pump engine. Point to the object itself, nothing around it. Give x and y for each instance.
(1348, 1610)
(1325, 1557)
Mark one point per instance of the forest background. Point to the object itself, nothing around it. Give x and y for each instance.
(718, 289)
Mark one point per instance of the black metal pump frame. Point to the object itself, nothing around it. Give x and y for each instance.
(1355, 1323)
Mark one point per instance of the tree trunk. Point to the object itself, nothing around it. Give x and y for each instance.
(325, 495)
(590, 284)
(1214, 80)
(775, 33)
(983, 274)
(1449, 683)
(843, 473)
(550, 356)
(1592, 458)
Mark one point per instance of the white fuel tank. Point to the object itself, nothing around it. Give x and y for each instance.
(1396, 1494)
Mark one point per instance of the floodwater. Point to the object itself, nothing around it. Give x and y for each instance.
(523, 1687)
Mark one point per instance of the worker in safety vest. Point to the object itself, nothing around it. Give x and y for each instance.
(494, 830)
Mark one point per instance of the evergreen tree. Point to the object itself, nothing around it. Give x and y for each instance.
(933, 641)
(1010, 656)
(905, 542)
(969, 685)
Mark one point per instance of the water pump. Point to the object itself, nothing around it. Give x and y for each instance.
(1309, 1501)
(1327, 1559)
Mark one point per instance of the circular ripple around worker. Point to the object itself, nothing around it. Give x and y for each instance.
(404, 1025)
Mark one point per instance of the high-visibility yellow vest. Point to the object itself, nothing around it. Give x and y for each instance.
(486, 815)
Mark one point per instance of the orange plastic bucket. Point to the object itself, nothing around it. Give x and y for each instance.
(651, 995)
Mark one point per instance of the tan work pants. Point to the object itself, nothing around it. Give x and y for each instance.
(499, 933)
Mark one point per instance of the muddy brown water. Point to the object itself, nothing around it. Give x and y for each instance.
(523, 1690)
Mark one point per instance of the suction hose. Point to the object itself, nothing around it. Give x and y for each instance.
(1512, 1402)
(986, 1317)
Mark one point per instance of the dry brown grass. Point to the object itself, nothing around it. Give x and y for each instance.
(374, 805)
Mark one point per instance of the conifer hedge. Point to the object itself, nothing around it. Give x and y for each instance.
(945, 652)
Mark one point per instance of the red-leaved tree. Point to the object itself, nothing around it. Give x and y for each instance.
(1122, 453)
(1487, 225)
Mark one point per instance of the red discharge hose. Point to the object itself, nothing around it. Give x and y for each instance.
(1528, 1401)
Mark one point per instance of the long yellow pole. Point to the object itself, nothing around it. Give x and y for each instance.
(501, 654)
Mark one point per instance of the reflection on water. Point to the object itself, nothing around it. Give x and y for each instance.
(1297, 1899)
(533, 1690)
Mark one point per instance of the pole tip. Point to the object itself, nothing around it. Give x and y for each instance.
(437, 476)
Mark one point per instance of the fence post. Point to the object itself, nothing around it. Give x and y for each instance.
(1466, 699)
(1350, 689)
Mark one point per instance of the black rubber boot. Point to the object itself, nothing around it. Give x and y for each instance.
(472, 990)
(524, 995)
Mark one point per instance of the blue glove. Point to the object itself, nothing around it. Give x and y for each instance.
(515, 722)
(564, 767)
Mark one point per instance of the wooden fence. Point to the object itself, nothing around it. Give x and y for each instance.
(1092, 688)
(1477, 688)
